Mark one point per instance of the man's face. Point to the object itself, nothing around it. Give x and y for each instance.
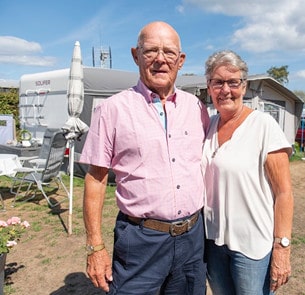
(159, 59)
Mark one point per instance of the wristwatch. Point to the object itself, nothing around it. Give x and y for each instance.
(284, 242)
(91, 249)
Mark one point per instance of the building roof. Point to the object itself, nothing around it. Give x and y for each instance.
(199, 82)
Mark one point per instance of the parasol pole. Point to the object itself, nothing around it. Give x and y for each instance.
(71, 168)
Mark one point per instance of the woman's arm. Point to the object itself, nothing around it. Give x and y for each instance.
(278, 171)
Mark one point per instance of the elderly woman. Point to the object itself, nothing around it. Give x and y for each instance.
(249, 202)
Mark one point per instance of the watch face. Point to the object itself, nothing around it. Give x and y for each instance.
(285, 242)
(89, 249)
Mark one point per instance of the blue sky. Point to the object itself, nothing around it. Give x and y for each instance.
(38, 36)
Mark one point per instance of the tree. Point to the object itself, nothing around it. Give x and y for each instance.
(300, 94)
(279, 73)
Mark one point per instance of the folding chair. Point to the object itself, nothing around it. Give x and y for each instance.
(45, 147)
(40, 172)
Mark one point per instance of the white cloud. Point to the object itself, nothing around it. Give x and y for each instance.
(239, 7)
(180, 8)
(10, 44)
(84, 32)
(14, 50)
(265, 26)
(27, 60)
(300, 74)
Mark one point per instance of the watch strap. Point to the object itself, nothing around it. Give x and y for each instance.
(284, 242)
(96, 248)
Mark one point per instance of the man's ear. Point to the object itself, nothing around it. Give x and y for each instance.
(134, 53)
(181, 60)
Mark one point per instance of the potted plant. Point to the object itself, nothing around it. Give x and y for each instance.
(25, 137)
(10, 233)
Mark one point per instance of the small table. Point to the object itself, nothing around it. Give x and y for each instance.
(20, 150)
(8, 164)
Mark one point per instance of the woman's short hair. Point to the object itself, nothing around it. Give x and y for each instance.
(225, 57)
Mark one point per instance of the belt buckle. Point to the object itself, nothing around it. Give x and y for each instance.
(179, 223)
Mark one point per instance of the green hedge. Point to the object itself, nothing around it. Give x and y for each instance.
(9, 101)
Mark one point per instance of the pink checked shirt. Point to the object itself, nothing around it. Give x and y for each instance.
(157, 169)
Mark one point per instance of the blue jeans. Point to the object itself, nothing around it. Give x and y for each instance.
(232, 273)
(150, 262)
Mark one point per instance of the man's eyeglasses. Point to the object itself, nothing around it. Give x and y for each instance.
(232, 83)
(171, 55)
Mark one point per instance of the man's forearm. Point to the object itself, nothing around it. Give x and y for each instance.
(94, 194)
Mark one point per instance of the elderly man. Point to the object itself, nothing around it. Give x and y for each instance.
(151, 135)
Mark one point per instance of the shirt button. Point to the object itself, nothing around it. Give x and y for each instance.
(178, 186)
(161, 114)
(173, 159)
(169, 136)
(186, 133)
(179, 212)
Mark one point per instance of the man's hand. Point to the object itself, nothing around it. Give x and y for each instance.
(99, 269)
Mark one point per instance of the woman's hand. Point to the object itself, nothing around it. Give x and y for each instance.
(280, 266)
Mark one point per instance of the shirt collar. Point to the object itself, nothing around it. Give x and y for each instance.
(149, 95)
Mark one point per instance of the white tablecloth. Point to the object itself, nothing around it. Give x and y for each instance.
(8, 164)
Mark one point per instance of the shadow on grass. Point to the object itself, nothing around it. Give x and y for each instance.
(58, 211)
(78, 284)
(10, 269)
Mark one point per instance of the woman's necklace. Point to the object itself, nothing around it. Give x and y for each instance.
(215, 152)
(232, 122)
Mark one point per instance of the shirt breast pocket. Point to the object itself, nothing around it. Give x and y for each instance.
(188, 144)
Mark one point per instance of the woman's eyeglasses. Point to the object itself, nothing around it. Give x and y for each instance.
(232, 83)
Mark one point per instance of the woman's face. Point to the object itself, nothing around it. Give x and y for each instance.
(226, 89)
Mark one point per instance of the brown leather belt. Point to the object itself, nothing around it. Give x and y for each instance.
(175, 228)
